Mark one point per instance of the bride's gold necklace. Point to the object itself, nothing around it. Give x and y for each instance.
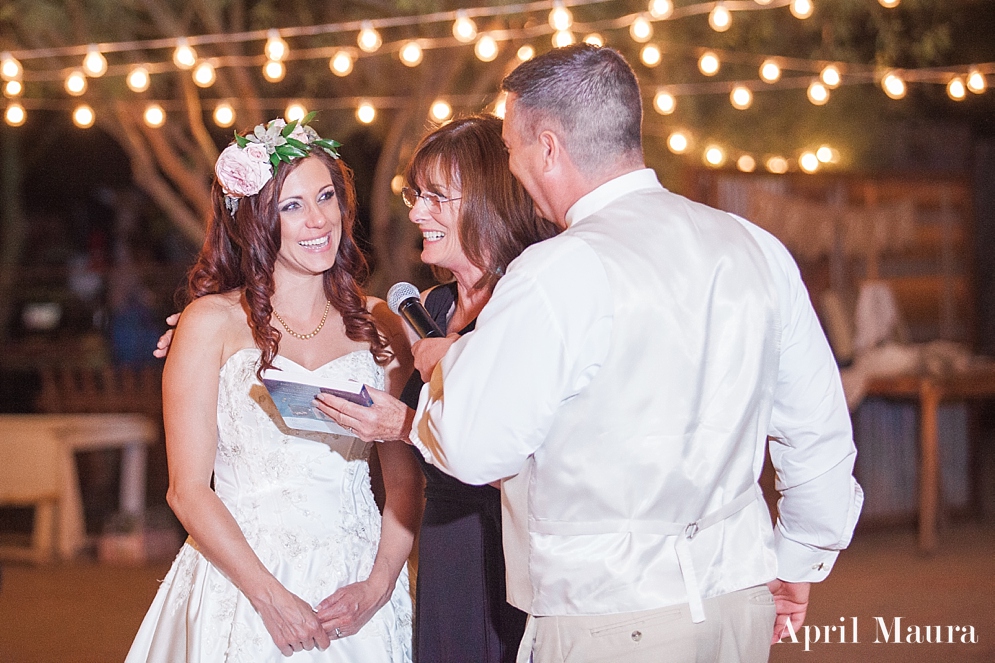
(304, 337)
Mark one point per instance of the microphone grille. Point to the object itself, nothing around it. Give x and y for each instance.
(398, 293)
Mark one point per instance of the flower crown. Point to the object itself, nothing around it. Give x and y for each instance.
(251, 161)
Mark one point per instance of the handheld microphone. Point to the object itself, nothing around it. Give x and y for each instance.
(402, 298)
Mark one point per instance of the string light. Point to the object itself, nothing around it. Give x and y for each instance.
(369, 39)
(763, 2)
(397, 184)
(486, 48)
(818, 93)
(204, 74)
(15, 115)
(295, 112)
(441, 111)
(76, 82)
(777, 165)
(714, 156)
(83, 116)
(801, 8)
(184, 56)
(956, 89)
(720, 18)
(94, 64)
(826, 154)
(224, 114)
(650, 55)
(661, 9)
(138, 79)
(746, 163)
(678, 142)
(664, 102)
(464, 29)
(889, 4)
(976, 81)
(893, 85)
(741, 97)
(154, 116)
(562, 38)
(594, 39)
(526, 52)
(831, 77)
(411, 54)
(341, 63)
(641, 30)
(560, 18)
(709, 64)
(13, 89)
(501, 105)
(276, 48)
(808, 162)
(10, 68)
(274, 71)
(770, 71)
(366, 113)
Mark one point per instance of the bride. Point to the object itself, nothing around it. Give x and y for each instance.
(288, 554)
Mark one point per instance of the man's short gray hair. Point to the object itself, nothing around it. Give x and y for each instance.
(590, 94)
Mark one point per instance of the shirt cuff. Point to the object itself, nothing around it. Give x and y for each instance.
(797, 562)
(420, 446)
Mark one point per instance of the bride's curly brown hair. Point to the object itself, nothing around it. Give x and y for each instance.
(241, 248)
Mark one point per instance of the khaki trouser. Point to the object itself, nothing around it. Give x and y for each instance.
(737, 629)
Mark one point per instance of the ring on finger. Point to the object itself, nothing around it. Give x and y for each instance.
(338, 632)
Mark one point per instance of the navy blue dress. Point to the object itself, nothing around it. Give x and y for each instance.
(461, 614)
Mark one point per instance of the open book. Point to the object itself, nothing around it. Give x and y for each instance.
(293, 392)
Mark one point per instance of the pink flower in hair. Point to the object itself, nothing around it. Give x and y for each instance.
(243, 171)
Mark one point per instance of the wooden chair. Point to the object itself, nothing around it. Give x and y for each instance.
(107, 389)
(31, 474)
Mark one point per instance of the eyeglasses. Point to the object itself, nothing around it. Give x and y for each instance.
(433, 201)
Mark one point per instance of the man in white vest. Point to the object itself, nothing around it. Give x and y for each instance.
(622, 383)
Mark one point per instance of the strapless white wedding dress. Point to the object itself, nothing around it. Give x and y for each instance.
(304, 503)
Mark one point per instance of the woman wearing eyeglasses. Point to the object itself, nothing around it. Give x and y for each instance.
(475, 218)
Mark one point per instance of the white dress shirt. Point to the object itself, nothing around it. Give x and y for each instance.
(495, 406)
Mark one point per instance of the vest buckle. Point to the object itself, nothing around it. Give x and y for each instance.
(691, 530)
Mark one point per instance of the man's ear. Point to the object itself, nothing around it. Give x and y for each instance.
(552, 150)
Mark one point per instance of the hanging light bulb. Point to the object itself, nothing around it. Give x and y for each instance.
(274, 71)
(341, 63)
(770, 71)
(664, 102)
(720, 18)
(956, 89)
(276, 48)
(224, 114)
(678, 142)
(154, 116)
(365, 113)
(441, 111)
(138, 79)
(641, 30)
(560, 18)
(889, 4)
(817, 93)
(826, 154)
(709, 64)
(526, 52)
(562, 38)
(411, 54)
(295, 112)
(650, 55)
(830, 76)
(464, 29)
(10, 68)
(369, 39)
(763, 2)
(13, 89)
(94, 63)
(486, 48)
(15, 115)
(741, 97)
(715, 156)
(746, 164)
(501, 105)
(83, 116)
(184, 56)
(976, 81)
(76, 82)
(893, 85)
(808, 162)
(777, 165)
(204, 74)
(594, 39)
(397, 184)
(661, 9)
(801, 8)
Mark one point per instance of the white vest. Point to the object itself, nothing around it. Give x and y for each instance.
(647, 476)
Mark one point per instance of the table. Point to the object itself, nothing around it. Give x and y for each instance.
(928, 391)
(66, 434)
